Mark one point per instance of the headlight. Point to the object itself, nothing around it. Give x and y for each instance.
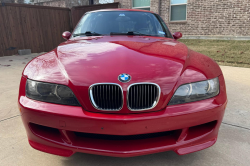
(196, 91)
(51, 93)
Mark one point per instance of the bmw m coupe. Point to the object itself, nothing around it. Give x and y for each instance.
(122, 85)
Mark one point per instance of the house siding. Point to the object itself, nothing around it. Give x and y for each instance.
(206, 17)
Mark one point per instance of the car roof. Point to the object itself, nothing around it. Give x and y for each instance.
(121, 9)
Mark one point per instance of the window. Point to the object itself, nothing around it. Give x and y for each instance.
(106, 1)
(178, 10)
(141, 4)
(122, 22)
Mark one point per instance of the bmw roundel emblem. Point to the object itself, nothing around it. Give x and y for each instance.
(124, 78)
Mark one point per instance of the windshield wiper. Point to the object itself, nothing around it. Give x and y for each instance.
(129, 33)
(87, 33)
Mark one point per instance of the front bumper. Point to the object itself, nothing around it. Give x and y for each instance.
(52, 128)
(61, 129)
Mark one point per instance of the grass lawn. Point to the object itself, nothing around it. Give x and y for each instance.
(224, 52)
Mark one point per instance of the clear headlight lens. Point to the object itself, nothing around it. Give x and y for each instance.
(196, 91)
(51, 93)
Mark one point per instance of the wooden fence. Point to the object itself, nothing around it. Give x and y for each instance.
(32, 27)
(38, 28)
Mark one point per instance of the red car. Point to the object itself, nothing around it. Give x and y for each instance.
(122, 85)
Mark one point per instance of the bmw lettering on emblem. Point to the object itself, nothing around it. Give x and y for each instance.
(124, 78)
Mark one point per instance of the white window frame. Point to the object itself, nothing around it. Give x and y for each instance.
(141, 7)
(177, 5)
(105, 1)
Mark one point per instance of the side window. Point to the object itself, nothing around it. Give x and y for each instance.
(178, 10)
(141, 4)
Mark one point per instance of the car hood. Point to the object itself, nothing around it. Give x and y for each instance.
(101, 59)
(83, 61)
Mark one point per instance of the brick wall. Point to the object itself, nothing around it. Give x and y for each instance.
(127, 4)
(154, 6)
(206, 17)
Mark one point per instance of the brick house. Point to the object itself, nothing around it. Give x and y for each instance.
(200, 18)
(68, 3)
(64, 3)
(224, 19)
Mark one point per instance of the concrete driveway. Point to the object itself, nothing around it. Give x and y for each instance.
(232, 147)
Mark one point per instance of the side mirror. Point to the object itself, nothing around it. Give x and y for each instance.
(66, 35)
(177, 35)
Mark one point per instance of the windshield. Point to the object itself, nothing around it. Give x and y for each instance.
(119, 22)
